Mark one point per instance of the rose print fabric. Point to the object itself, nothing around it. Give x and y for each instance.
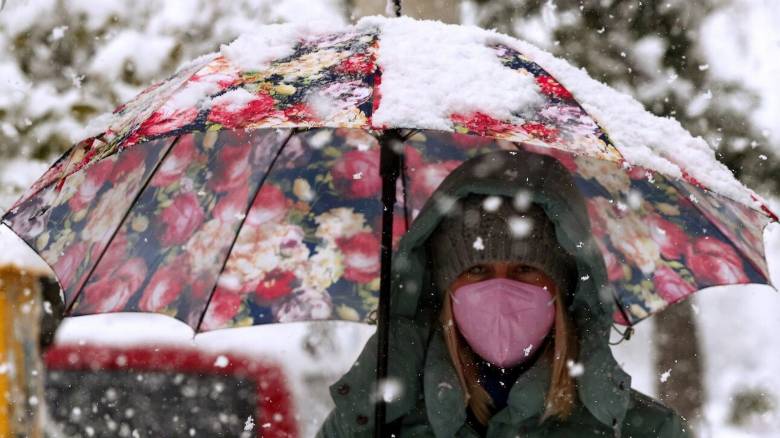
(166, 255)
(70, 221)
(309, 248)
(236, 227)
(661, 239)
(329, 81)
(211, 198)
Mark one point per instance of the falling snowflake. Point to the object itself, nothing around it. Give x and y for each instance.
(491, 203)
(389, 390)
(57, 33)
(221, 362)
(576, 369)
(479, 245)
(358, 175)
(665, 375)
(527, 350)
(520, 227)
(249, 424)
(634, 199)
(522, 200)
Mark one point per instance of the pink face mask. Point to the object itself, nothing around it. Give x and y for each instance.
(504, 321)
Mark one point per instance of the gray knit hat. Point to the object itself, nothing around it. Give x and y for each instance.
(483, 229)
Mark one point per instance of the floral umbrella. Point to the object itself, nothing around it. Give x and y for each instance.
(259, 184)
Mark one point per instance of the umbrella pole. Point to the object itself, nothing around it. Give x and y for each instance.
(389, 169)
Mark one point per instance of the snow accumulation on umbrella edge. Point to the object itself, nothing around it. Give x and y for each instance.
(431, 70)
(644, 139)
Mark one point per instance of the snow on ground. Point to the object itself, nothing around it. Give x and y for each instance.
(308, 376)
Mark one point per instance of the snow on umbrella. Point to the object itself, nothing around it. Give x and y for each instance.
(211, 197)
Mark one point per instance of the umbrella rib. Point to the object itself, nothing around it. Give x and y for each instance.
(138, 194)
(615, 296)
(728, 239)
(405, 190)
(404, 180)
(241, 224)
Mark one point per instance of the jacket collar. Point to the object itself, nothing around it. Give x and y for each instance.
(444, 397)
(600, 391)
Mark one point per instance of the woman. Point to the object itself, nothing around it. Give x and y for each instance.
(500, 318)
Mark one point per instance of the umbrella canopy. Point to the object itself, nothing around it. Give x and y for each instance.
(211, 197)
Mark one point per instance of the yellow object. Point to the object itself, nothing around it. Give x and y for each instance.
(21, 371)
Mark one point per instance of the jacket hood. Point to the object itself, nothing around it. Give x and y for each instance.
(603, 387)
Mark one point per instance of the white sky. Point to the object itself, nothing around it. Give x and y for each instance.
(742, 43)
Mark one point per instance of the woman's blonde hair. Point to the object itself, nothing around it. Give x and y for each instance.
(560, 397)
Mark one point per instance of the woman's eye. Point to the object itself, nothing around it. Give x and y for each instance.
(477, 270)
(524, 269)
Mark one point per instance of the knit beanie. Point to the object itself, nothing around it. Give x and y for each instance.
(483, 229)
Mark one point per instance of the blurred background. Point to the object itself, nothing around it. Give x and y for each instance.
(711, 64)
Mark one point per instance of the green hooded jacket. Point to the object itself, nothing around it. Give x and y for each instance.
(431, 401)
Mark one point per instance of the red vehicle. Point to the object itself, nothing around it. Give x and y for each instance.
(164, 392)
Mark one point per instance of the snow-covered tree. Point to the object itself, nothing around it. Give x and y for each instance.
(652, 50)
(63, 62)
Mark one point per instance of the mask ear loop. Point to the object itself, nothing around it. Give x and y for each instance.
(625, 335)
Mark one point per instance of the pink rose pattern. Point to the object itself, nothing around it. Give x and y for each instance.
(345, 77)
(309, 247)
(70, 222)
(194, 179)
(218, 236)
(658, 245)
(647, 220)
(182, 231)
